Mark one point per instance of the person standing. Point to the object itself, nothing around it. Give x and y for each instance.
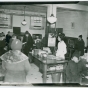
(28, 43)
(15, 64)
(72, 74)
(80, 45)
(60, 55)
(61, 47)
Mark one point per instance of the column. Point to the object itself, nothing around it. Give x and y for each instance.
(51, 7)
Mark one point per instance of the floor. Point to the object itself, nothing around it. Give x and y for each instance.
(36, 76)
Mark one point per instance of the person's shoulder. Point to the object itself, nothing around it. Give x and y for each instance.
(63, 43)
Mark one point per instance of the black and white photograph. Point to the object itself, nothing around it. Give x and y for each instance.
(44, 43)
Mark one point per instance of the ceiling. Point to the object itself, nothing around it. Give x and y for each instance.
(83, 3)
(37, 6)
(31, 8)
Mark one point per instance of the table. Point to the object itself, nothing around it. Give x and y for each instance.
(43, 63)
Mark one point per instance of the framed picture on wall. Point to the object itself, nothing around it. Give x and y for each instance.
(5, 21)
(37, 22)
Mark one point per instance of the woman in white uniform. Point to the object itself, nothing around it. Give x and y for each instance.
(60, 54)
(61, 51)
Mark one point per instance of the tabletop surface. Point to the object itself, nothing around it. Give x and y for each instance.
(49, 60)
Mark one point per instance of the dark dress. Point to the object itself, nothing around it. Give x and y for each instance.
(72, 74)
(29, 45)
(74, 71)
(80, 45)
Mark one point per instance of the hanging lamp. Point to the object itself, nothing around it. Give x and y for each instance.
(24, 21)
(52, 19)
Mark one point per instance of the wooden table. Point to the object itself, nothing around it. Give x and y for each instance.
(43, 63)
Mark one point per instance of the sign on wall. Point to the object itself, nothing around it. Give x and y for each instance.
(5, 21)
(37, 22)
(51, 40)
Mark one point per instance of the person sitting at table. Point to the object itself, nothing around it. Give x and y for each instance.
(15, 64)
(75, 69)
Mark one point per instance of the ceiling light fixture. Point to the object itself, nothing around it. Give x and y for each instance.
(52, 19)
(24, 21)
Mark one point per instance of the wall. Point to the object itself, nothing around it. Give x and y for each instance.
(16, 22)
(80, 20)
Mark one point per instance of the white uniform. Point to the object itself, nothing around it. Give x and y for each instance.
(61, 51)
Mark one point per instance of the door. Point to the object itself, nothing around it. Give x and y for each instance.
(17, 30)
